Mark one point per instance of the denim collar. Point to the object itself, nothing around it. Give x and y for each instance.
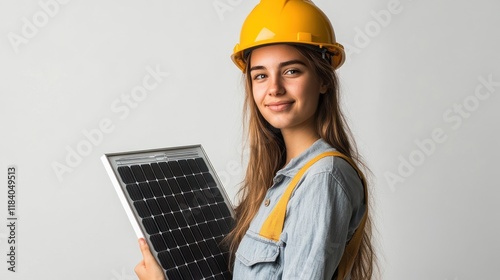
(296, 163)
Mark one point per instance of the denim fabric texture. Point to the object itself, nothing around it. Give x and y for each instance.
(322, 214)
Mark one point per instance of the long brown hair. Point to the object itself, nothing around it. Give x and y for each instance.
(268, 154)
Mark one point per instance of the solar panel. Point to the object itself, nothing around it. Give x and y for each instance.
(174, 200)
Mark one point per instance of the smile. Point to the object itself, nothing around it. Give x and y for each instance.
(279, 106)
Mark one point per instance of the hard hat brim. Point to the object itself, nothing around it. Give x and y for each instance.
(336, 50)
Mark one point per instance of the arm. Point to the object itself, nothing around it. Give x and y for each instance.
(318, 225)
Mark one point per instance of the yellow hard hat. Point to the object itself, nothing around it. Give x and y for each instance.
(287, 21)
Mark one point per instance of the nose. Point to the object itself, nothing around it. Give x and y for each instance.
(276, 86)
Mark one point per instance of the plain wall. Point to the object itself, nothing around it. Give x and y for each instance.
(420, 87)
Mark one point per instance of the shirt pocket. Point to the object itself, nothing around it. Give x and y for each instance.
(255, 250)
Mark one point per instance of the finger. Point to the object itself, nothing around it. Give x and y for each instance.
(146, 253)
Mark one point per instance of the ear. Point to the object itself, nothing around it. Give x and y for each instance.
(323, 88)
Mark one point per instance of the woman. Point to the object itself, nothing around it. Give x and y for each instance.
(294, 222)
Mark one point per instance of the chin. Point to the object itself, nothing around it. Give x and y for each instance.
(279, 126)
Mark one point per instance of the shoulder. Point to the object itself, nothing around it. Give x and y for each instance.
(331, 175)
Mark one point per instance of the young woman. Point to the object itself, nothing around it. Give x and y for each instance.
(294, 222)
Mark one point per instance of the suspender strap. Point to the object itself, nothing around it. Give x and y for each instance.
(273, 225)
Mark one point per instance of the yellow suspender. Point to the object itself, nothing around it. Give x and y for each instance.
(273, 225)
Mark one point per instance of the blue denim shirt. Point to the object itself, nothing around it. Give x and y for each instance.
(326, 207)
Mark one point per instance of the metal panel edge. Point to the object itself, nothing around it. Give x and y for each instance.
(152, 150)
(121, 196)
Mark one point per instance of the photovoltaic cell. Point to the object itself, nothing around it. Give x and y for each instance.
(178, 205)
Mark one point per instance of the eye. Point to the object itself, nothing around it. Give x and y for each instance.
(292, 71)
(259, 76)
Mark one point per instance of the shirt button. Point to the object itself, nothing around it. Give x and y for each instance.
(267, 202)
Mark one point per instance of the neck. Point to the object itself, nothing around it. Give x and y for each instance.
(298, 140)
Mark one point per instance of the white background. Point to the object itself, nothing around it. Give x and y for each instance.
(405, 80)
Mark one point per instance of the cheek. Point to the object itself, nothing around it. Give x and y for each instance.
(257, 95)
(311, 97)
(255, 99)
(257, 105)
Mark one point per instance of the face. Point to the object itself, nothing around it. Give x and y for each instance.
(285, 86)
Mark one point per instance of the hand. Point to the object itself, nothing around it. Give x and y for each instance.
(148, 268)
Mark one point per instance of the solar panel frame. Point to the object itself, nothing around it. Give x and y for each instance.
(176, 202)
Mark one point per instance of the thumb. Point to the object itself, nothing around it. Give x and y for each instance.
(146, 253)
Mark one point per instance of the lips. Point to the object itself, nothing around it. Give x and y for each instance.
(279, 106)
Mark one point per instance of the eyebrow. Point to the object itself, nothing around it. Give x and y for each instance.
(282, 64)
